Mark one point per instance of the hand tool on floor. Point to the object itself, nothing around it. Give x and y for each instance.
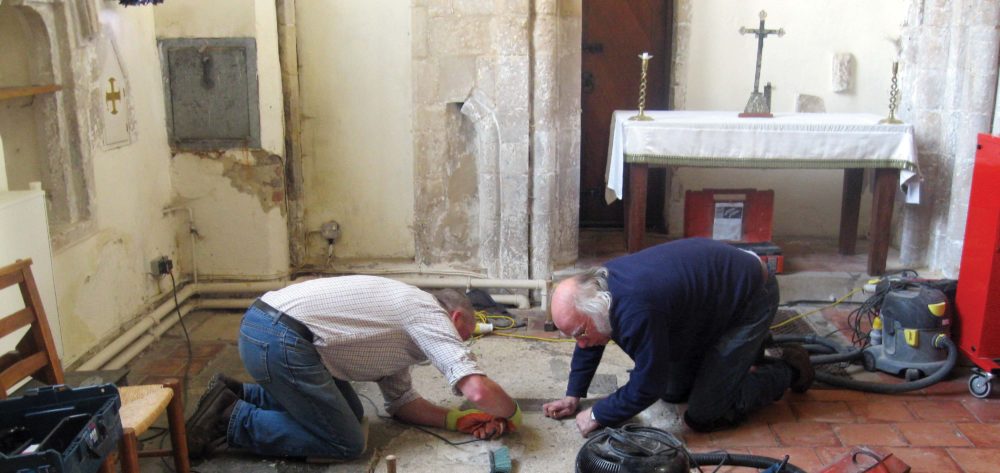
(500, 461)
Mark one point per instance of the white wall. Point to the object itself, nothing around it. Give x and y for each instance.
(236, 195)
(357, 114)
(719, 71)
(102, 279)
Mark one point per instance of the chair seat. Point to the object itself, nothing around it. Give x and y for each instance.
(141, 405)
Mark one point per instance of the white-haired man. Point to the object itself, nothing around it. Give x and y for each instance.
(303, 345)
(693, 315)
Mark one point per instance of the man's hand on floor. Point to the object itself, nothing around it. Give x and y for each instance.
(561, 408)
(586, 423)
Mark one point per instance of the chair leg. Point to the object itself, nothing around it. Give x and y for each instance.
(128, 451)
(109, 464)
(178, 435)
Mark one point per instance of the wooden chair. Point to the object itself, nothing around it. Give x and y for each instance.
(35, 357)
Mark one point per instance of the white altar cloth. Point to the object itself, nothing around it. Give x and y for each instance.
(789, 140)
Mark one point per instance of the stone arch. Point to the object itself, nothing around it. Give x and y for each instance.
(44, 140)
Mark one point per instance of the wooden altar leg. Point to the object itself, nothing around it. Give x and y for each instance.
(635, 212)
(886, 181)
(850, 207)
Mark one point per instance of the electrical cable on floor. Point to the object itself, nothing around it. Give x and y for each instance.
(812, 301)
(834, 304)
(426, 431)
(187, 338)
(160, 431)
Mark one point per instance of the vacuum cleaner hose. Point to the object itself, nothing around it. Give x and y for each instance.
(752, 461)
(880, 388)
(835, 352)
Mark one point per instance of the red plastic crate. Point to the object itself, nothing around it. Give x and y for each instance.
(758, 212)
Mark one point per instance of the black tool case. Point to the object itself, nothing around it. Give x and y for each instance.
(58, 429)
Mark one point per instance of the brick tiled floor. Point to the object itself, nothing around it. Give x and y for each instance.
(815, 433)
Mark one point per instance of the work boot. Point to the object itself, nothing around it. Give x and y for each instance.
(235, 386)
(207, 428)
(803, 373)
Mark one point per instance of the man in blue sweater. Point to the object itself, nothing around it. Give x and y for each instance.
(693, 315)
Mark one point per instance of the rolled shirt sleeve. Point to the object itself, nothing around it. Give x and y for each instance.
(397, 390)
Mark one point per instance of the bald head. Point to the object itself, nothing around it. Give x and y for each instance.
(564, 312)
(581, 305)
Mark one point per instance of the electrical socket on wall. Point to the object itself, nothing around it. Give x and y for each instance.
(161, 266)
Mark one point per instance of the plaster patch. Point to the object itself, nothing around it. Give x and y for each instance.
(254, 172)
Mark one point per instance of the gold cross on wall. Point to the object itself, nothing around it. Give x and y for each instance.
(113, 96)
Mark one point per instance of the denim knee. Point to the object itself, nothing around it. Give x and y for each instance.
(351, 445)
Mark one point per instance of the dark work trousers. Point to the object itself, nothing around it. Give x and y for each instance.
(723, 389)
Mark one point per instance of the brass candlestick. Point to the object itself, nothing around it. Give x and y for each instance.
(642, 117)
(893, 97)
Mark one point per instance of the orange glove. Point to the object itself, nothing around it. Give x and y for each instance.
(482, 425)
(473, 421)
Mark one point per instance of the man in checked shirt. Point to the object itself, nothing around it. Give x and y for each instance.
(303, 345)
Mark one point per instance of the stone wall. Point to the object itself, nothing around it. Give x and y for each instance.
(948, 84)
(496, 133)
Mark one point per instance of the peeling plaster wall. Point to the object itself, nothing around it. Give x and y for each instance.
(949, 69)
(357, 128)
(237, 196)
(242, 226)
(102, 281)
(714, 70)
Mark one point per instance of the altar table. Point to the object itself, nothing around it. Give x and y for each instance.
(850, 141)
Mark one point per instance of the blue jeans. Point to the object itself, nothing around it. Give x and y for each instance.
(723, 390)
(298, 408)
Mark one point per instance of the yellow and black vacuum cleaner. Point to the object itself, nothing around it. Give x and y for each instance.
(906, 337)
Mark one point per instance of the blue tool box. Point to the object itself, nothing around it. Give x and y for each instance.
(56, 429)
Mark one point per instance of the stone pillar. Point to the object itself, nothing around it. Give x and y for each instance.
(472, 99)
(949, 77)
(545, 42)
(565, 230)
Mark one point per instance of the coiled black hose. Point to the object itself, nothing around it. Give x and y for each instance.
(731, 459)
(880, 388)
(839, 354)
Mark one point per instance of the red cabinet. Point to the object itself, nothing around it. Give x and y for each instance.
(978, 296)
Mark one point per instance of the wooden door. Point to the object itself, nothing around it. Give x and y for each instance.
(615, 32)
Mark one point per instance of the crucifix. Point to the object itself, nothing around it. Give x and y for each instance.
(759, 104)
(113, 96)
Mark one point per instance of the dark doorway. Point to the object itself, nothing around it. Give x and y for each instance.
(615, 32)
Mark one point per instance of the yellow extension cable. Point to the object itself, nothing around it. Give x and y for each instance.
(797, 317)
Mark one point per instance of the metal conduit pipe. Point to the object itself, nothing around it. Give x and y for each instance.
(519, 300)
(125, 347)
(121, 359)
(154, 333)
(541, 285)
(139, 329)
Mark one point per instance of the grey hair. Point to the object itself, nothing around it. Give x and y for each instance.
(452, 299)
(593, 299)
